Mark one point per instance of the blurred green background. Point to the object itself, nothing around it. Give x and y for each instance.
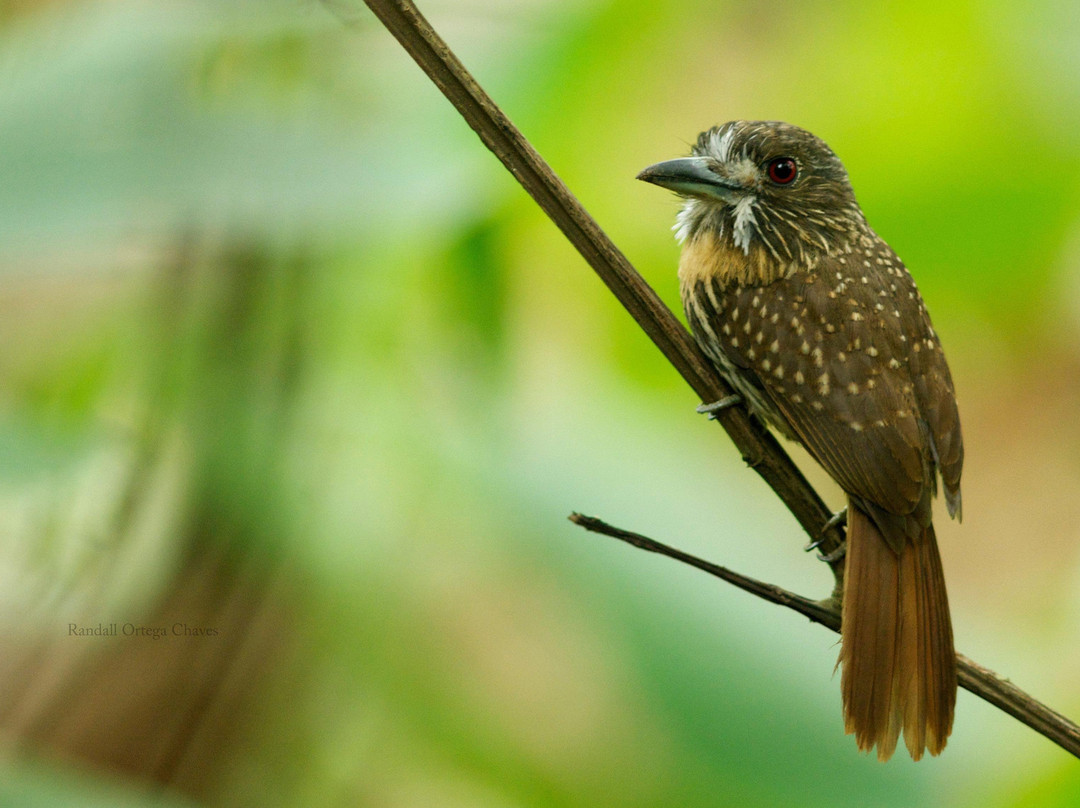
(286, 355)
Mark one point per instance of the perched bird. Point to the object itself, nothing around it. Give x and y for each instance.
(818, 326)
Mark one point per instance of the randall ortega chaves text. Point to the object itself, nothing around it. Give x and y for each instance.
(139, 630)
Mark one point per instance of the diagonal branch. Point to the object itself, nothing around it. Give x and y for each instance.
(758, 447)
(981, 681)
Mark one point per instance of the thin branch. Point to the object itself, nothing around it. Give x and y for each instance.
(759, 448)
(981, 681)
(818, 611)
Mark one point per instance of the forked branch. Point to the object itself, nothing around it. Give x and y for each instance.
(759, 448)
(981, 681)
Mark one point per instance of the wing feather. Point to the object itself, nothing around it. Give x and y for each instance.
(829, 358)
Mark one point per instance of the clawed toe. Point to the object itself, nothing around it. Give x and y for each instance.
(716, 406)
(838, 518)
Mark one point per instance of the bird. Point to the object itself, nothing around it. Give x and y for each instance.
(821, 332)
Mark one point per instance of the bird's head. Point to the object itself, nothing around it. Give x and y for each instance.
(763, 185)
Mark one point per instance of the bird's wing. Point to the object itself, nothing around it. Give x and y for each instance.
(937, 403)
(833, 368)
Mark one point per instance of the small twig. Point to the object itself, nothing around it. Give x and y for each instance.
(818, 611)
(973, 677)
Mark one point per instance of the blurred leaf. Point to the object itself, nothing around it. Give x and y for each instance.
(105, 131)
(37, 786)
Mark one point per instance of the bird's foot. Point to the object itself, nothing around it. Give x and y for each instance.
(838, 518)
(723, 404)
(835, 555)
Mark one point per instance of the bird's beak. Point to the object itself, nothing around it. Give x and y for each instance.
(691, 176)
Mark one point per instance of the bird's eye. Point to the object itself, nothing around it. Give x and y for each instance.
(782, 170)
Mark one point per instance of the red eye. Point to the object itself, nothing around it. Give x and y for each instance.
(782, 170)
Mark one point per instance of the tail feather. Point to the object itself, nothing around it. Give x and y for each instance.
(899, 666)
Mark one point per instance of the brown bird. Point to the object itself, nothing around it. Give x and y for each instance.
(818, 326)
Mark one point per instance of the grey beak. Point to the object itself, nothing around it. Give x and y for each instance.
(691, 176)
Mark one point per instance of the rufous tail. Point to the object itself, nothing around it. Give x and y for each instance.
(896, 651)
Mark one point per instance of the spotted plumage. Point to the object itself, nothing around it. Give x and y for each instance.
(820, 328)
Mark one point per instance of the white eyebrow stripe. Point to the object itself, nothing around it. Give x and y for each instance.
(721, 144)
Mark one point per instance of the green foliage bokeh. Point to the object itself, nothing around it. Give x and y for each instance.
(430, 380)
